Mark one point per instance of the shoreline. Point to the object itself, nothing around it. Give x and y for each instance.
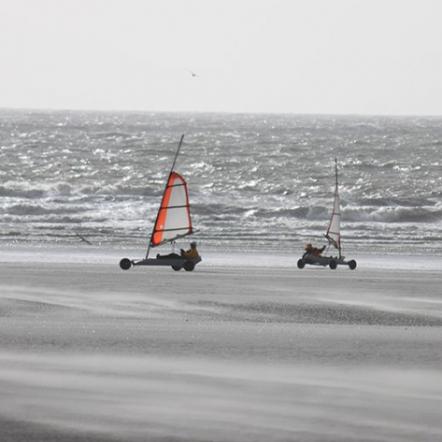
(53, 253)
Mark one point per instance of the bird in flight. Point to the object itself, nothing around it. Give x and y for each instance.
(192, 73)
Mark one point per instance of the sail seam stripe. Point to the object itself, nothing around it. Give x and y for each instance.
(173, 207)
(170, 230)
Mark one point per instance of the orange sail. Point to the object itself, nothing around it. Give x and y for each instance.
(173, 219)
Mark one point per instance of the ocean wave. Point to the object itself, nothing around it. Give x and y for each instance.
(393, 215)
(29, 190)
(321, 213)
(308, 213)
(36, 210)
(204, 209)
(396, 201)
(21, 193)
(362, 214)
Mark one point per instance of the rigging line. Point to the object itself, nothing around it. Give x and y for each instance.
(176, 155)
(83, 238)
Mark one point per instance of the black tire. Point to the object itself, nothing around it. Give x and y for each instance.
(189, 266)
(125, 264)
(352, 264)
(333, 264)
(177, 268)
(301, 263)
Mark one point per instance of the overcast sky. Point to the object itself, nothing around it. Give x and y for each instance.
(301, 56)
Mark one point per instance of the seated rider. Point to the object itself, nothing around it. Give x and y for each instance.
(192, 253)
(311, 250)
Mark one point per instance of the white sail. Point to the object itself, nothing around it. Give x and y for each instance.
(334, 228)
(173, 219)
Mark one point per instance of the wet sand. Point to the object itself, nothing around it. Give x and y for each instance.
(244, 352)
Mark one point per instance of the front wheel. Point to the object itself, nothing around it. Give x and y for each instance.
(125, 264)
(352, 264)
(333, 264)
(176, 268)
(301, 263)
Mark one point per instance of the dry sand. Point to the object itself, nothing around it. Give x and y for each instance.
(254, 351)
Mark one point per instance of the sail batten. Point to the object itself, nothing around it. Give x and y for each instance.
(174, 207)
(168, 230)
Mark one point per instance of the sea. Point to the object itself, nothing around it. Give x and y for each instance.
(257, 182)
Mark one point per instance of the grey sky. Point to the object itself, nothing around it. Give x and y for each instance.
(302, 56)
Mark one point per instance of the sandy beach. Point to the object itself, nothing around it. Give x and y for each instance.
(252, 133)
(245, 348)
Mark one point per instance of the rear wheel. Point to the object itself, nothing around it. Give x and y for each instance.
(189, 266)
(333, 264)
(125, 264)
(176, 268)
(352, 264)
(301, 263)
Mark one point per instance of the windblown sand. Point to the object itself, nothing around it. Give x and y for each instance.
(225, 353)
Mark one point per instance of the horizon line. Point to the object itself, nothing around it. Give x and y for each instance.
(151, 111)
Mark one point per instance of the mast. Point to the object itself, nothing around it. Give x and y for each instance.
(176, 156)
(336, 175)
(165, 187)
